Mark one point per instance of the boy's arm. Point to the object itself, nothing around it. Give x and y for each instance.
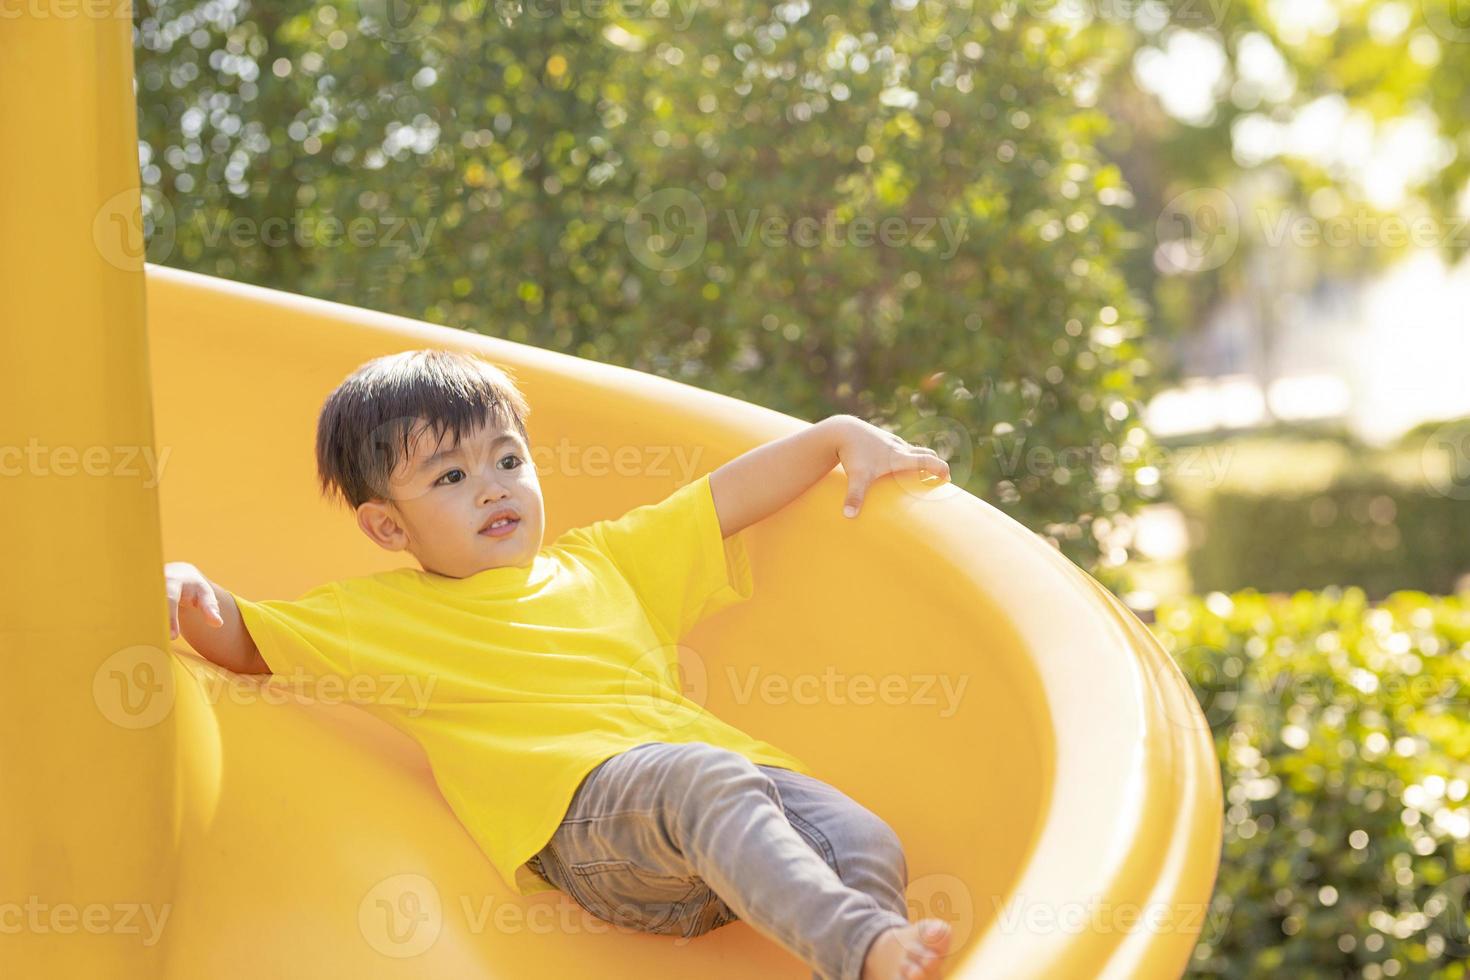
(760, 482)
(228, 643)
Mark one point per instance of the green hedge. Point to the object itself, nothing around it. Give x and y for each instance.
(1344, 750)
(1370, 531)
(1290, 510)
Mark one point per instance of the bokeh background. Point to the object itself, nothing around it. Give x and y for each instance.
(1179, 286)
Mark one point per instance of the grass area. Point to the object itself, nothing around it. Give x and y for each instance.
(1156, 580)
(1254, 463)
(1302, 460)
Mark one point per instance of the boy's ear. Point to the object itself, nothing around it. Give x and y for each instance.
(379, 522)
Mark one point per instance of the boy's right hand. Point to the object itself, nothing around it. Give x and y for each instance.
(186, 585)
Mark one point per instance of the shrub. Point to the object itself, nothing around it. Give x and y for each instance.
(1369, 531)
(1344, 751)
(1293, 510)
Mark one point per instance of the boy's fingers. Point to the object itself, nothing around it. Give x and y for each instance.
(932, 464)
(857, 488)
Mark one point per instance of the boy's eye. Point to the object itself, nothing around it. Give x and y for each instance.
(446, 476)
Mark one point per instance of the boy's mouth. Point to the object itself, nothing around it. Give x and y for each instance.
(501, 528)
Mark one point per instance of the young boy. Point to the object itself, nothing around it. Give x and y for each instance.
(550, 724)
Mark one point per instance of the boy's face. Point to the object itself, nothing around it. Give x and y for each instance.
(444, 496)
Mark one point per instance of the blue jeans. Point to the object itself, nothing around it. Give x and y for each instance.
(682, 838)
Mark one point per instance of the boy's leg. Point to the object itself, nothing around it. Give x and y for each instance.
(652, 830)
(855, 842)
(858, 844)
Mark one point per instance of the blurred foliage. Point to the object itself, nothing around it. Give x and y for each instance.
(1344, 753)
(617, 182)
(1285, 512)
(1389, 62)
(1364, 530)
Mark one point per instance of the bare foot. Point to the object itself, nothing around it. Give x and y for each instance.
(911, 952)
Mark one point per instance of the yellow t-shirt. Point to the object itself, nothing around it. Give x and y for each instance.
(518, 680)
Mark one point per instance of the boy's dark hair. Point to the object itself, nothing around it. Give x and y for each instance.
(363, 432)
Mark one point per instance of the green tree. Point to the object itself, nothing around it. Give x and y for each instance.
(893, 213)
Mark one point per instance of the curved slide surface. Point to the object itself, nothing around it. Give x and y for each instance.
(1050, 774)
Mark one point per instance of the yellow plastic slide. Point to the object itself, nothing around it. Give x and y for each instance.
(1050, 774)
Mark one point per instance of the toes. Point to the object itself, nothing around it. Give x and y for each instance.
(935, 932)
(918, 963)
(919, 970)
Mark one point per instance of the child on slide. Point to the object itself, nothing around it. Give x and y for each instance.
(547, 713)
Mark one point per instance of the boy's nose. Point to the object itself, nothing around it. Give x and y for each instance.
(492, 490)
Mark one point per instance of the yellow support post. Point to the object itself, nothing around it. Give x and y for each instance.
(88, 796)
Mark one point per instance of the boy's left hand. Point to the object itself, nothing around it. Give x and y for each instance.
(868, 453)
